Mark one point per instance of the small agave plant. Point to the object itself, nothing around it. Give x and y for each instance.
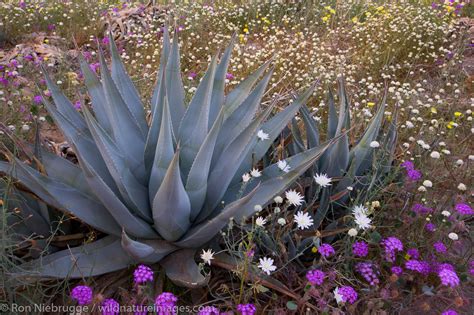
(159, 191)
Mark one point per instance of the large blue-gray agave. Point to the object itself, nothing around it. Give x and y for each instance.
(160, 191)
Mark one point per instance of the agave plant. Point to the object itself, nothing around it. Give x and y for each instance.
(163, 190)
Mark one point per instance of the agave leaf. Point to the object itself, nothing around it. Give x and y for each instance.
(332, 116)
(171, 205)
(182, 270)
(336, 158)
(148, 251)
(164, 152)
(132, 191)
(196, 185)
(156, 118)
(312, 133)
(97, 95)
(323, 208)
(217, 98)
(242, 116)
(235, 97)
(126, 129)
(193, 128)
(224, 169)
(206, 231)
(273, 128)
(175, 89)
(65, 197)
(362, 153)
(298, 144)
(64, 106)
(161, 71)
(126, 88)
(96, 258)
(344, 117)
(131, 223)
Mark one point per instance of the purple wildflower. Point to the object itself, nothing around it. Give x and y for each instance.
(464, 209)
(413, 265)
(94, 67)
(142, 274)
(430, 227)
(105, 41)
(408, 165)
(110, 307)
(166, 303)
(315, 277)
(28, 57)
(360, 249)
(471, 267)
(38, 99)
(397, 270)
(82, 294)
(77, 105)
(246, 309)
(421, 209)
(348, 294)
(391, 246)
(326, 250)
(414, 175)
(368, 272)
(449, 312)
(448, 278)
(413, 253)
(51, 27)
(229, 76)
(425, 268)
(209, 310)
(192, 75)
(440, 247)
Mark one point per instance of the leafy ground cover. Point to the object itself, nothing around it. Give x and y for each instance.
(404, 246)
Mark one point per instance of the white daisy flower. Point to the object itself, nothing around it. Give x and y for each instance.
(363, 221)
(339, 298)
(294, 197)
(262, 135)
(283, 165)
(260, 221)
(255, 173)
(246, 177)
(303, 220)
(322, 180)
(207, 256)
(266, 264)
(360, 210)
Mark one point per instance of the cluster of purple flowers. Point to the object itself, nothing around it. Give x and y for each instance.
(464, 209)
(209, 310)
(391, 245)
(397, 270)
(368, 271)
(440, 247)
(421, 209)
(246, 309)
(360, 249)
(348, 294)
(419, 266)
(448, 277)
(110, 307)
(142, 274)
(166, 303)
(413, 253)
(326, 250)
(315, 277)
(412, 173)
(82, 294)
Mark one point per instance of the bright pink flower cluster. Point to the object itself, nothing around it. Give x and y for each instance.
(82, 294)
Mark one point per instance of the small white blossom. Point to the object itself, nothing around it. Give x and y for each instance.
(363, 221)
(278, 199)
(352, 232)
(260, 221)
(294, 197)
(360, 210)
(453, 236)
(281, 221)
(462, 187)
(322, 180)
(422, 188)
(266, 264)
(374, 144)
(262, 135)
(283, 165)
(427, 183)
(257, 208)
(255, 173)
(435, 155)
(339, 298)
(207, 256)
(246, 177)
(446, 213)
(303, 220)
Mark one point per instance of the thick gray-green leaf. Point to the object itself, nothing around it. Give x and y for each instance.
(336, 158)
(131, 190)
(194, 125)
(242, 90)
(196, 184)
(126, 129)
(164, 153)
(217, 98)
(126, 88)
(174, 84)
(181, 268)
(332, 116)
(171, 205)
(93, 259)
(97, 95)
(165, 51)
(147, 251)
(62, 196)
(312, 133)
